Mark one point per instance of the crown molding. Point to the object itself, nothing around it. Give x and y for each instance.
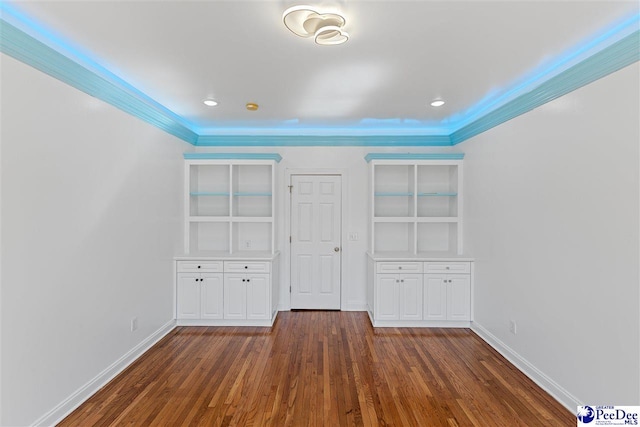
(35, 47)
(25, 48)
(613, 58)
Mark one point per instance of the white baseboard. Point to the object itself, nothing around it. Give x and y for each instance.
(284, 307)
(356, 306)
(351, 306)
(65, 407)
(568, 400)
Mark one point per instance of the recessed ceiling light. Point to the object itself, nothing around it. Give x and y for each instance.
(437, 103)
(210, 102)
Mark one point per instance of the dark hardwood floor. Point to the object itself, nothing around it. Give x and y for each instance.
(321, 369)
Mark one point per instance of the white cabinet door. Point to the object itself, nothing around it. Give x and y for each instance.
(211, 293)
(235, 296)
(435, 297)
(410, 297)
(458, 297)
(188, 295)
(258, 301)
(387, 295)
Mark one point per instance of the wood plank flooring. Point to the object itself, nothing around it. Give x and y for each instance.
(321, 369)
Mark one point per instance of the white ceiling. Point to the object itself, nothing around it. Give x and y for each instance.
(401, 55)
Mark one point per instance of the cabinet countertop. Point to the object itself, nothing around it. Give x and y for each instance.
(221, 256)
(422, 256)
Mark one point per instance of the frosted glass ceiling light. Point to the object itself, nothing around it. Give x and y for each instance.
(437, 103)
(210, 102)
(307, 22)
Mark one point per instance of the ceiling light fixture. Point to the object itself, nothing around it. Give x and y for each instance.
(210, 102)
(251, 106)
(437, 103)
(324, 27)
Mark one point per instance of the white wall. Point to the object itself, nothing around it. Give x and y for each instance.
(552, 219)
(350, 159)
(90, 222)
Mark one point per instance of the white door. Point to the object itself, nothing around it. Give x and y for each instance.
(188, 304)
(316, 215)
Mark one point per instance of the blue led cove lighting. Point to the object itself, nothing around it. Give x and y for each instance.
(610, 50)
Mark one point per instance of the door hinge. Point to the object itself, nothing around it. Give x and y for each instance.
(290, 187)
(289, 289)
(289, 239)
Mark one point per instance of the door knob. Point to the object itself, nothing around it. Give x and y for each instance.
(336, 249)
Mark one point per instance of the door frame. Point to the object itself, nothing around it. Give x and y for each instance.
(286, 272)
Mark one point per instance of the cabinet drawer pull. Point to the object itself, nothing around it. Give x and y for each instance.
(198, 266)
(246, 266)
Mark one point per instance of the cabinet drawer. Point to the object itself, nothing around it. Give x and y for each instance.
(247, 266)
(447, 267)
(399, 267)
(198, 266)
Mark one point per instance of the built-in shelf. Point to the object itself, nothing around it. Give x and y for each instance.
(437, 194)
(229, 205)
(445, 219)
(252, 219)
(252, 194)
(394, 194)
(401, 219)
(207, 193)
(415, 202)
(209, 218)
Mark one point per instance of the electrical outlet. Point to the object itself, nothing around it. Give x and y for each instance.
(513, 327)
(134, 323)
(353, 237)
(247, 244)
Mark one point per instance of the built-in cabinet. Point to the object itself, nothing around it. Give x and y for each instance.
(239, 292)
(447, 291)
(228, 274)
(417, 275)
(247, 287)
(399, 296)
(199, 296)
(415, 292)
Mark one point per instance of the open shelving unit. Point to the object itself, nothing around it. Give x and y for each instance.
(229, 206)
(415, 203)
